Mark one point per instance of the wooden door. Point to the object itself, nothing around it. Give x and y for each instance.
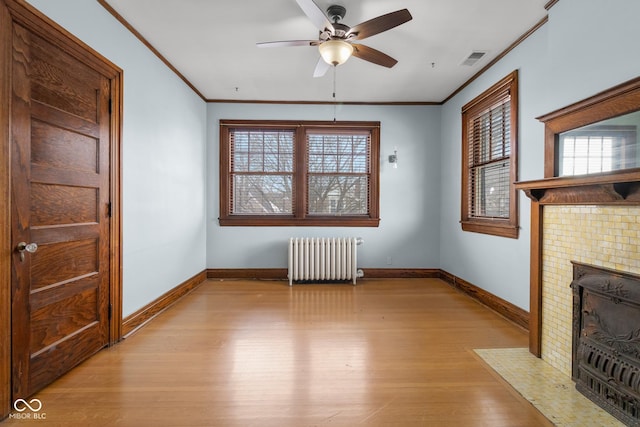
(60, 201)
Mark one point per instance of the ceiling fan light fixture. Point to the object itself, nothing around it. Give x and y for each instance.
(335, 52)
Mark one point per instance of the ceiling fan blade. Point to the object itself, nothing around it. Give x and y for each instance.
(372, 55)
(316, 15)
(379, 24)
(288, 43)
(321, 68)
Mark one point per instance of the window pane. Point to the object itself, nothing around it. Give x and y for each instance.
(256, 141)
(271, 142)
(338, 195)
(315, 163)
(491, 190)
(360, 164)
(241, 141)
(285, 162)
(240, 150)
(268, 156)
(490, 135)
(338, 153)
(262, 194)
(484, 139)
(256, 162)
(240, 161)
(262, 151)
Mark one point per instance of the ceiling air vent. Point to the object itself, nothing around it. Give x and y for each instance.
(473, 58)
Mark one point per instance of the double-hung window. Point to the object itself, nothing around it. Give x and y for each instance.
(299, 173)
(489, 161)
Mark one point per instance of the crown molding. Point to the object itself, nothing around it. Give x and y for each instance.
(139, 36)
(499, 57)
(149, 46)
(550, 4)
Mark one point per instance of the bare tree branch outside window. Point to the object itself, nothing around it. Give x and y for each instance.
(290, 173)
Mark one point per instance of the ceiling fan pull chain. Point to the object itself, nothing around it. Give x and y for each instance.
(334, 82)
(334, 93)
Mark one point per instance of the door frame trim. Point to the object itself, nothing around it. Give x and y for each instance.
(21, 12)
(5, 213)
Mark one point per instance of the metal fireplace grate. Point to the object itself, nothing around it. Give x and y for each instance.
(606, 339)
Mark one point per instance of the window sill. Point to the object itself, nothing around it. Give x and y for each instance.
(343, 221)
(492, 228)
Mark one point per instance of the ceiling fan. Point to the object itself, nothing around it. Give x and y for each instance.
(335, 42)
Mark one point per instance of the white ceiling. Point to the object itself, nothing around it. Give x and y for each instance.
(212, 43)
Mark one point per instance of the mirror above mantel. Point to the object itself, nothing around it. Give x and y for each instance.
(592, 152)
(606, 146)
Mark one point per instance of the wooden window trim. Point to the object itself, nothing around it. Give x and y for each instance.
(299, 217)
(508, 227)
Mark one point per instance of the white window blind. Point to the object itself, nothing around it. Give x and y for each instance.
(338, 173)
(262, 171)
(489, 137)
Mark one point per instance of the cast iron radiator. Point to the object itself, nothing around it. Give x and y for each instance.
(323, 259)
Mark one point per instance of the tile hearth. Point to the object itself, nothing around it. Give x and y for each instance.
(549, 390)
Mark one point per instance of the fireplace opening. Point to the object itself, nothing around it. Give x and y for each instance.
(606, 339)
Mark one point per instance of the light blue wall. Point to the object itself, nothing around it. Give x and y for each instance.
(409, 195)
(163, 157)
(170, 156)
(586, 47)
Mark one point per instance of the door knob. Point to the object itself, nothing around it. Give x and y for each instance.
(26, 247)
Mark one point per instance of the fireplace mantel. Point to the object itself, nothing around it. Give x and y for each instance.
(621, 187)
(602, 189)
(616, 188)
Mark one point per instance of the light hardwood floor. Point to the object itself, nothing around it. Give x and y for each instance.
(260, 353)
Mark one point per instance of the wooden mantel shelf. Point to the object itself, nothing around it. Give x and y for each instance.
(610, 188)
